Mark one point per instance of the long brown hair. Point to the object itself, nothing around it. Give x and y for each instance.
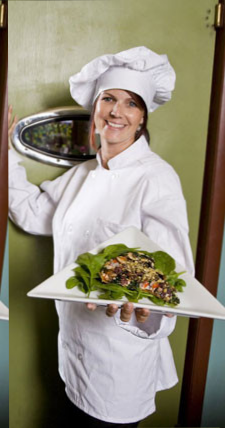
(143, 130)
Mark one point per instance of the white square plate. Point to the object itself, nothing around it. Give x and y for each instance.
(4, 312)
(195, 300)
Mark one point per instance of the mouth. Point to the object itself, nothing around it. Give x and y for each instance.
(115, 125)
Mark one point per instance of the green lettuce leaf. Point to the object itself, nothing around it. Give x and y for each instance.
(112, 251)
(163, 262)
(72, 282)
(86, 275)
(91, 262)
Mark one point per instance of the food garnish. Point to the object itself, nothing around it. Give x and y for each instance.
(119, 271)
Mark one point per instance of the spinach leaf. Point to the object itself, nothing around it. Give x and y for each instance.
(174, 275)
(72, 282)
(82, 287)
(179, 284)
(110, 286)
(106, 295)
(173, 279)
(136, 295)
(112, 251)
(117, 295)
(82, 273)
(156, 300)
(91, 262)
(163, 262)
(87, 278)
(84, 277)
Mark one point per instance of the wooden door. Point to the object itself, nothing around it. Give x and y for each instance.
(3, 129)
(210, 239)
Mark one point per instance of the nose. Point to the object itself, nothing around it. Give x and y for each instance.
(116, 110)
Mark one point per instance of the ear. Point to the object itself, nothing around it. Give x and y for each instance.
(142, 121)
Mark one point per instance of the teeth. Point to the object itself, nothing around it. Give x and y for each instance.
(116, 125)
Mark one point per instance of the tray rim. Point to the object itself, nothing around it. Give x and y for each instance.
(153, 308)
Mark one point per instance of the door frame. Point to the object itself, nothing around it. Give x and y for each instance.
(209, 246)
(3, 135)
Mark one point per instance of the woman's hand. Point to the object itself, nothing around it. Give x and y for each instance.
(11, 123)
(127, 309)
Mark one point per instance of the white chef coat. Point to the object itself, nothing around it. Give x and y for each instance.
(111, 369)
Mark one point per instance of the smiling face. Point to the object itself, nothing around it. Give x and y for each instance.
(117, 117)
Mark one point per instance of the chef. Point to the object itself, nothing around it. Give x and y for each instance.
(112, 361)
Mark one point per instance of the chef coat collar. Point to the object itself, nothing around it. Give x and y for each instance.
(131, 155)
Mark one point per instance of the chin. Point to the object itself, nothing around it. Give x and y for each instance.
(112, 139)
(114, 142)
(118, 139)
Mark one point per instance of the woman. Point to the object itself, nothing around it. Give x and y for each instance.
(112, 366)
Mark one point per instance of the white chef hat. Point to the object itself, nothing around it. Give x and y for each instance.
(139, 70)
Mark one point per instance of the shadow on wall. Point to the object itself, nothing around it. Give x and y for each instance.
(36, 342)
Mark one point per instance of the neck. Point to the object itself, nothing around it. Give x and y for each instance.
(110, 150)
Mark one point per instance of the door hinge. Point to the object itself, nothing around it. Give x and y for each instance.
(2, 15)
(219, 16)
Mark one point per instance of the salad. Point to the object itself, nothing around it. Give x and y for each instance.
(119, 271)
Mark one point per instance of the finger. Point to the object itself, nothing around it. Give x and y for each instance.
(10, 131)
(12, 127)
(111, 310)
(169, 315)
(15, 120)
(91, 306)
(126, 312)
(9, 114)
(142, 314)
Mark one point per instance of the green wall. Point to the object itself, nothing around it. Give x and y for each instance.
(4, 348)
(48, 42)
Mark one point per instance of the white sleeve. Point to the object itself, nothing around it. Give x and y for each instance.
(30, 207)
(164, 221)
(157, 326)
(164, 218)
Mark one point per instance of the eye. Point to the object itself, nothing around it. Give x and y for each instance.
(107, 99)
(132, 103)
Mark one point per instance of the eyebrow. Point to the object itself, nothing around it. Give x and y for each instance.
(111, 95)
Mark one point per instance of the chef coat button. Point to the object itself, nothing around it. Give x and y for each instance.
(64, 345)
(70, 228)
(113, 176)
(80, 357)
(87, 233)
(93, 174)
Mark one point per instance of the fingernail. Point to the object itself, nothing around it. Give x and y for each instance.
(90, 306)
(129, 306)
(114, 307)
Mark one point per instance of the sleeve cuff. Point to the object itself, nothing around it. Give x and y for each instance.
(156, 327)
(13, 157)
